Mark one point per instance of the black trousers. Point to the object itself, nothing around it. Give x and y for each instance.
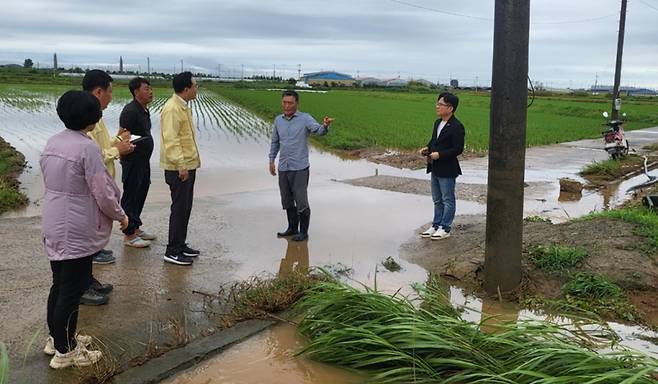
(293, 186)
(182, 195)
(70, 280)
(136, 178)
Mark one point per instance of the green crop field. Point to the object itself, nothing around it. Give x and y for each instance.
(404, 120)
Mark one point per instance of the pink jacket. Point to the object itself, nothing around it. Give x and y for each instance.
(81, 199)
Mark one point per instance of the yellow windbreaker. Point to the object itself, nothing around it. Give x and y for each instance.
(101, 136)
(178, 149)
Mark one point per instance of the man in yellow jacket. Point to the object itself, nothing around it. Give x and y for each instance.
(99, 84)
(179, 157)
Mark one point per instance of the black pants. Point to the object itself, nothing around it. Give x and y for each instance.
(182, 194)
(293, 186)
(70, 280)
(136, 178)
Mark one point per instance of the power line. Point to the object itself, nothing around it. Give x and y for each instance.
(578, 21)
(648, 5)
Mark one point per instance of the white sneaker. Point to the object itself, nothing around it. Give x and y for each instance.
(440, 234)
(428, 232)
(146, 235)
(49, 349)
(79, 357)
(136, 242)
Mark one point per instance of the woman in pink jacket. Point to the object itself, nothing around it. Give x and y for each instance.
(81, 200)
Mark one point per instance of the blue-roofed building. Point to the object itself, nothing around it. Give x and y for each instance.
(329, 78)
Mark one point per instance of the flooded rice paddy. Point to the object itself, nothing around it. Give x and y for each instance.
(356, 227)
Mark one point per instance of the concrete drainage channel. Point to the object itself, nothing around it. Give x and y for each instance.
(167, 365)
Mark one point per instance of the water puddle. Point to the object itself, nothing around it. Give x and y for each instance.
(239, 211)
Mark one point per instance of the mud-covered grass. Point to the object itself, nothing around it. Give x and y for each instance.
(396, 341)
(587, 295)
(645, 219)
(12, 163)
(556, 259)
(600, 172)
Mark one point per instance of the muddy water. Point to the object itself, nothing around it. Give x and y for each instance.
(239, 211)
(266, 358)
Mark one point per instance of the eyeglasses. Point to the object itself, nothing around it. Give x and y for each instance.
(441, 104)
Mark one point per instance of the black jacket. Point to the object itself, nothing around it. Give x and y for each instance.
(449, 144)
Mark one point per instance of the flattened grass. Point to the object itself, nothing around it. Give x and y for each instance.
(396, 342)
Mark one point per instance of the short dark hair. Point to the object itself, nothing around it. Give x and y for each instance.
(181, 81)
(96, 78)
(135, 83)
(290, 92)
(78, 110)
(449, 98)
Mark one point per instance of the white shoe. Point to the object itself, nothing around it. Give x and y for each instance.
(428, 232)
(79, 357)
(136, 242)
(145, 235)
(49, 349)
(440, 234)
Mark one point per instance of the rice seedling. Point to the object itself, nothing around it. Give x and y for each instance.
(556, 259)
(397, 342)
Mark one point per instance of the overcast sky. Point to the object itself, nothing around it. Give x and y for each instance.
(571, 42)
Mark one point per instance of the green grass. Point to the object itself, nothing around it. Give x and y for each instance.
(587, 295)
(395, 341)
(404, 119)
(646, 220)
(610, 169)
(4, 363)
(556, 259)
(11, 165)
(537, 219)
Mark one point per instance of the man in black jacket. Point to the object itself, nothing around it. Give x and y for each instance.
(446, 143)
(135, 167)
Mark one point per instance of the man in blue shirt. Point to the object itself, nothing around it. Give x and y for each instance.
(290, 140)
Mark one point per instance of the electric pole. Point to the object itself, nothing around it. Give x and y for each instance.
(148, 67)
(181, 65)
(620, 49)
(509, 97)
(299, 71)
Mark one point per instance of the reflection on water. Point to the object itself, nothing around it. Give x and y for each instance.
(296, 259)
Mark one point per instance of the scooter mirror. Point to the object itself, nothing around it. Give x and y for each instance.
(605, 114)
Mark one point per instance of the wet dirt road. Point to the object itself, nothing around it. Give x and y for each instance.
(234, 220)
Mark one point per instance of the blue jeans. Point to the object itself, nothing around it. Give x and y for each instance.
(443, 195)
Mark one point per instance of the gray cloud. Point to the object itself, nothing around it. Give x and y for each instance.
(571, 42)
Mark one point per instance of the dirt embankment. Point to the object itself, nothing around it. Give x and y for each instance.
(404, 159)
(615, 252)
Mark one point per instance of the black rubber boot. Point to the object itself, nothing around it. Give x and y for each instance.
(304, 221)
(293, 223)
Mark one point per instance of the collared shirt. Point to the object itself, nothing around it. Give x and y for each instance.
(290, 140)
(178, 149)
(137, 119)
(101, 136)
(440, 128)
(81, 199)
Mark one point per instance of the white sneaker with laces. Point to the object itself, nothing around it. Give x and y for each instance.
(49, 349)
(136, 242)
(440, 234)
(79, 357)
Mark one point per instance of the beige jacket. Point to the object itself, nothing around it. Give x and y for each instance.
(178, 148)
(101, 136)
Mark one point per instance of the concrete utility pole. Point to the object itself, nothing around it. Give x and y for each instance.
(148, 67)
(509, 97)
(120, 64)
(299, 71)
(620, 50)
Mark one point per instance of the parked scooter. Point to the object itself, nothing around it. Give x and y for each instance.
(615, 141)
